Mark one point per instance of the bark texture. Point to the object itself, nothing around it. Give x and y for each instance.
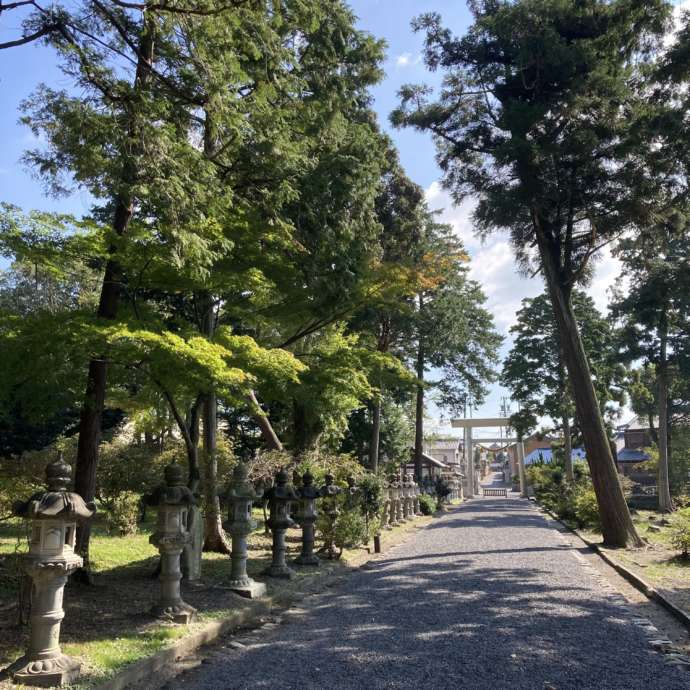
(617, 525)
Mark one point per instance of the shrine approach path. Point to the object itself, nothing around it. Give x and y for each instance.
(487, 597)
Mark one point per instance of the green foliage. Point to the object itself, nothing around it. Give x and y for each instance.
(371, 502)
(586, 508)
(679, 531)
(126, 467)
(350, 529)
(535, 371)
(123, 514)
(427, 504)
(575, 502)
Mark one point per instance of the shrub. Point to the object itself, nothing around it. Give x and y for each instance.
(427, 504)
(679, 532)
(586, 508)
(124, 513)
(371, 502)
(350, 530)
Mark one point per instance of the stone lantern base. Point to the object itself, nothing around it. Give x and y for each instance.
(283, 572)
(307, 560)
(177, 613)
(248, 588)
(46, 673)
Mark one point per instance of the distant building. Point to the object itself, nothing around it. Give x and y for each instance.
(447, 450)
(631, 440)
(441, 456)
(546, 455)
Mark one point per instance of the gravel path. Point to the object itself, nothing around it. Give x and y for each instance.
(488, 597)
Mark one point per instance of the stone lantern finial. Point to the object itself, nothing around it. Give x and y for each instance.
(58, 474)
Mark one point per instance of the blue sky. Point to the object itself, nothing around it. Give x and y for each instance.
(23, 68)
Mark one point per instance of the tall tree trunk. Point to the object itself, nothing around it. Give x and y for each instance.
(94, 398)
(419, 416)
(568, 449)
(214, 536)
(565, 419)
(521, 467)
(617, 525)
(267, 431)
(375, 435)
(664, 491)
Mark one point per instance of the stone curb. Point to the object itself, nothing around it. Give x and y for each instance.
(248, 617)
(635, 580)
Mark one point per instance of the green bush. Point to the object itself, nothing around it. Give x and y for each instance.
(586, 508)
(679, 532)
(575, 502)
(427, 504)
(350, 530)
(371, 502)
(123, 515)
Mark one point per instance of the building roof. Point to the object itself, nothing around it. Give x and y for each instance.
(638, 423)
(632, 455)
(546, 455)
(434, 461)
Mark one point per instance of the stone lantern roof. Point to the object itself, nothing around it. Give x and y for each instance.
(308, 490)
(174, 491)
(281, 491)
(57, 501)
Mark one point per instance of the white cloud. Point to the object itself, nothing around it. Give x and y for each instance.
(407, 59)
(493, 263)
(677, 11)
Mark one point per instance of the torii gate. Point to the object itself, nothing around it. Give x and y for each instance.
(471, 478)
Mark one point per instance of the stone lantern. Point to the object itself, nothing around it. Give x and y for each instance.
(386, 512)
(50, 561)
(392, 507)
(172, 534)
(405, 497)
(415, 498)
(280, 496)
(329, 492)
(306, 517)
(240, 524)
(409, 496)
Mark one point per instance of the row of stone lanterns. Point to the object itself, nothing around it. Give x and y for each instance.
(401, 502)
(51, 558)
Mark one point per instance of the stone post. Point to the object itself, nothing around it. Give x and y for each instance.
(240, 524)
(306, 516)
(280, 496)
(49, 563)
(329, 492)
(190, 562)
(171, 536)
